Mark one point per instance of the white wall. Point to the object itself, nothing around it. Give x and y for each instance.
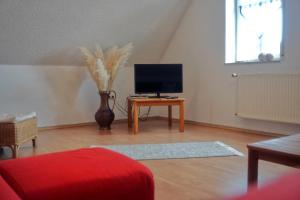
(40, 60)
(208, 86)
(59, 94)
(50, 32)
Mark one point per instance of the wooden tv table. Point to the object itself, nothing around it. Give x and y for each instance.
(283, 150)
(135, 103)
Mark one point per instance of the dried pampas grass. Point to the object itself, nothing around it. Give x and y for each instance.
(103, 66)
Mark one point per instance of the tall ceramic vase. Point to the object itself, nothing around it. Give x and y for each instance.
(104, 116)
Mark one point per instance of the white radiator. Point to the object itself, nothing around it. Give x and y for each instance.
(273, 97)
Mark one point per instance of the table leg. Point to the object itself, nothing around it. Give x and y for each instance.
(129, 113)
(135, 118)
(181, 117)
(252, 167)
(170, 115)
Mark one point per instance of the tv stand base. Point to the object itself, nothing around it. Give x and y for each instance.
(157, 97)
(135, 103)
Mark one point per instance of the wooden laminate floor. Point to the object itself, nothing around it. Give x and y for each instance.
(176, 179)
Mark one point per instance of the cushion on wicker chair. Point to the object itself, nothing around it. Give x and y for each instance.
(9, 118)
(23, 117)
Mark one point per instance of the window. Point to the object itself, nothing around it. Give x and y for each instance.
(253, 30)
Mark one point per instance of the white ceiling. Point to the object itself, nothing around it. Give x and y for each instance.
(48, 32)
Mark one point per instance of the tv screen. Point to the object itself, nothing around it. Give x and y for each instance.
(158, 78)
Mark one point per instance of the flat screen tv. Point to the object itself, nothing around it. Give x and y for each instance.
(158, 78)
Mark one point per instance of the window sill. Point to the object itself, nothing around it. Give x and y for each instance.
(252, 62)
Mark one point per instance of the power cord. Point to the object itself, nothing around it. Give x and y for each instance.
(117, 105)
(124, 111)
(144, 117)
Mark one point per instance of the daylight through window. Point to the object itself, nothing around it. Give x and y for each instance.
(253, 30)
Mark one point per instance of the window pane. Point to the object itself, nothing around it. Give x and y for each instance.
(253, 30)
(230, 32)
(259, 29)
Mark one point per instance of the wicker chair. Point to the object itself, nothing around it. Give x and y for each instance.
(17, 130)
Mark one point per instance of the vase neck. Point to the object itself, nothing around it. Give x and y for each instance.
(104, 98)
(104, 92)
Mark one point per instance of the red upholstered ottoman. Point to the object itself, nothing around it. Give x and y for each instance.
(6, 192)
(84, 174)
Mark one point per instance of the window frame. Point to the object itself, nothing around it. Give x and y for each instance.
(234, 20)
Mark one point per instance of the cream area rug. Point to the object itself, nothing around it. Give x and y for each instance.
(174, 150)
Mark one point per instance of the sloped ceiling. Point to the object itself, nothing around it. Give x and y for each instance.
(49, 32)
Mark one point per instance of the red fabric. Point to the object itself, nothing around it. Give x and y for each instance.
(89, 174)
(6, 193)
(287, 188)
